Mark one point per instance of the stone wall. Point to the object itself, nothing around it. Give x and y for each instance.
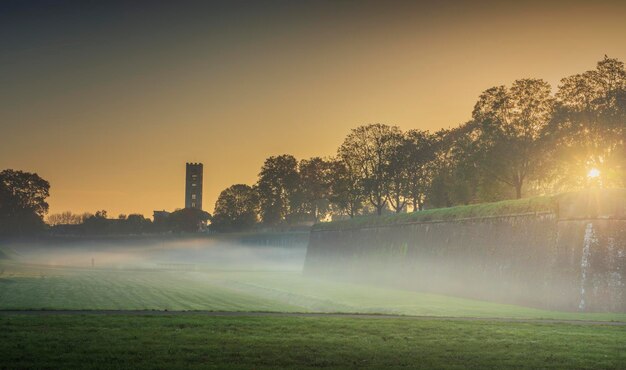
(570, 258)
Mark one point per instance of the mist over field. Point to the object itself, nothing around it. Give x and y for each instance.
(151, 253)
(214, 274)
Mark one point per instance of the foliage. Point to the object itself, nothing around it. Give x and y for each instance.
(100, 224)
(346, 190)
(397, 171)
(512, 124)
(236, 209)
(188, 220)
(315, 182)
(368, 150)
(278, 189)
(588, 129)
(420, 150)
(22, 202)
(522, 141)
(67, 218)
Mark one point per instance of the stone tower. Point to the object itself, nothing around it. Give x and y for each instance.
(193, 186)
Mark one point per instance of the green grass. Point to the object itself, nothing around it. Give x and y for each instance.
(507, 207)
(183, 342)
(538, 204)
(41, 287)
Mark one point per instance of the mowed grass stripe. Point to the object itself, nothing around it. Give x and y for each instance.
(126, 290)
(40, 287)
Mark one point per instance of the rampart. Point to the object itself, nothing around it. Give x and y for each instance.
(565, 252)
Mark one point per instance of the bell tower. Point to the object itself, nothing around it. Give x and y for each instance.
(193, 186)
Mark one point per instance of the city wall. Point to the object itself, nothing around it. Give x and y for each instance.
(569, 256)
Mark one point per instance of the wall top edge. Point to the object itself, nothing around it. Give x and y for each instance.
(459, 220)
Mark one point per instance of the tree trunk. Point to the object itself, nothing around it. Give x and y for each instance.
(518, 190)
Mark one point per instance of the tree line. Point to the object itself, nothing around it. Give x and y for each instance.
(23, 206)
(186, 220)
(522, 140)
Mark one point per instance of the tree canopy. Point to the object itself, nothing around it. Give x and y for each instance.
(522, 140)
(22, 202)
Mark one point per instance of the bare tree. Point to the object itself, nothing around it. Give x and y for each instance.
(66, 218)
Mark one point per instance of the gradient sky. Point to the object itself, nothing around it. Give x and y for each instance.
(108, 100)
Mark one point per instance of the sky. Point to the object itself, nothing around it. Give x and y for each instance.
(108, 100)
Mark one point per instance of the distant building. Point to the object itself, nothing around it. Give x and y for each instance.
(193, 186)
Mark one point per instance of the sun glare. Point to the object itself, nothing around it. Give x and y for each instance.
(593, 173)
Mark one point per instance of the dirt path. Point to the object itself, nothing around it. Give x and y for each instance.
(303, 314)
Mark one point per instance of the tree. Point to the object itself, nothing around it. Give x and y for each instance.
(346, 190)
(278, 190)
(136, 224)
(512, 126)
(315, 183)
(589, 126)
(367, 150)
(421, 154)
(188, 220)
(22, 202)
(98, 223)
(447, 173)
(236, 209)
(66, 218)
(397, 171)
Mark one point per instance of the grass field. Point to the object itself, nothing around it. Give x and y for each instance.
(43, 287)
(195, 276)
(170, 342)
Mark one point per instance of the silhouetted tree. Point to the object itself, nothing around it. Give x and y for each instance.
(236, 209)
(188, 220)
(368, 149)
(346, 189)
(589, 126)
(521, 139)
(445, 188)
(278, 189)
(315, 182)
(97, 224)
(397, 168)
(67, 218)
(512, 126)
(22, 202)
(421, 154)
(136, 224)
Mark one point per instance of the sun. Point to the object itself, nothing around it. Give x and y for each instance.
(593, 173)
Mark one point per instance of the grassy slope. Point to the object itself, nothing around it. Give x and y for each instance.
(507, 207)
(23, 287)
(253, 342)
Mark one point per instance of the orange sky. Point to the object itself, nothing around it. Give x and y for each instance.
(109, 103)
